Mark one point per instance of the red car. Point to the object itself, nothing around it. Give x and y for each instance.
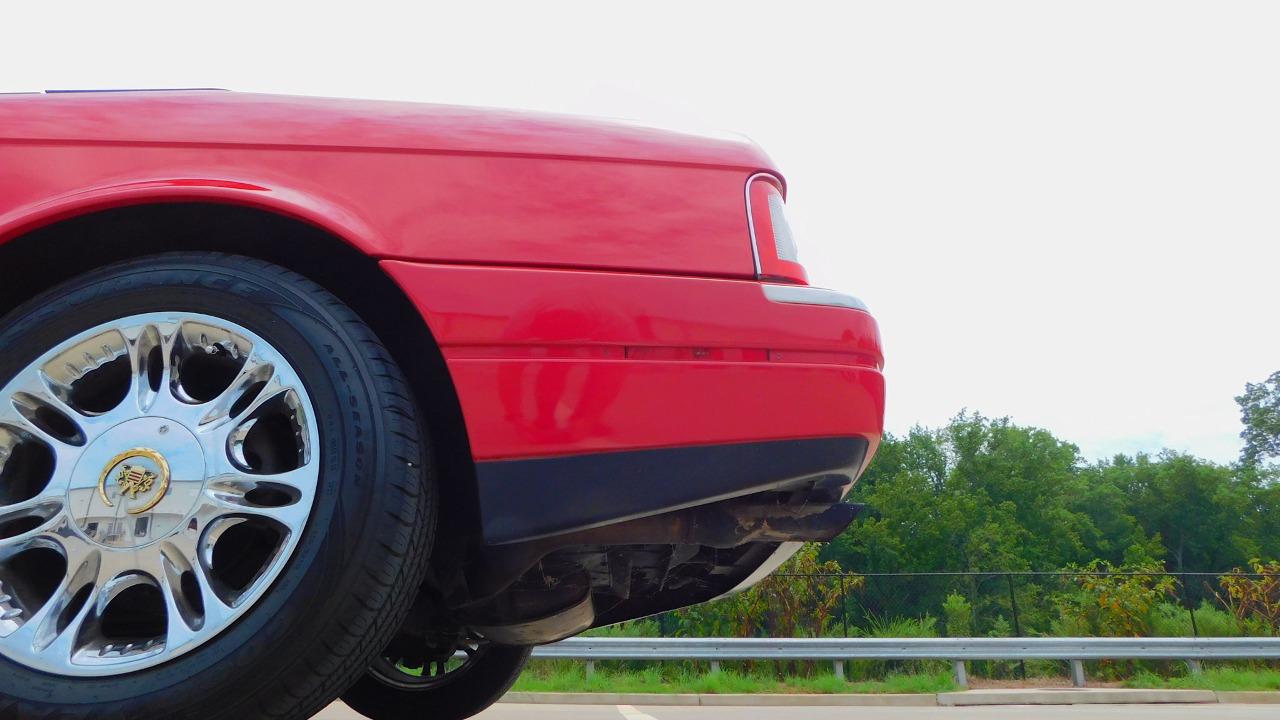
(302, 397)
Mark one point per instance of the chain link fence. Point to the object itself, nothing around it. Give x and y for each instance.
(901, 605)
(1024, 604)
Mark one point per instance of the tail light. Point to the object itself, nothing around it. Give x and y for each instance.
(771, 239)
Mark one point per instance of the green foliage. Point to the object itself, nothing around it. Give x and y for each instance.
(790, 603)
(958, 615)
(1000, 627)
(901, 627)
(1255, 599)
(979, 494)
(1222, 679)
(1260, 413)
(896, 627)
(1114, 605)
(547, 676)
(1199, 510)
(984, 494)
(544, 676)
(934, 682)
(1173, 620)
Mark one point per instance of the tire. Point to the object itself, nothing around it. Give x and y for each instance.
(466, 694)
(311, 618)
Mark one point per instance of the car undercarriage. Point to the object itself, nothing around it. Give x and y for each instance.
(548, 587)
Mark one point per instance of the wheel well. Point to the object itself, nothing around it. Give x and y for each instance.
(55, 253)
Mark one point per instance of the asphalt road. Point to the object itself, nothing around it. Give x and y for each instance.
(505, 711)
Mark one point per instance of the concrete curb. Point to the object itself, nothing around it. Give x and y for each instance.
(1075, 696)
(1249, 697)
(967, 698)
(844, 700)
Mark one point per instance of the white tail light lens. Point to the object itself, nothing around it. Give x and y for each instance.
(775, 247)
(783, 241)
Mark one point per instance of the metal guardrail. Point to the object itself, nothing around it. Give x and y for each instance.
(956, 650)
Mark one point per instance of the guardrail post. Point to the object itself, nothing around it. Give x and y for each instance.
(838, 667)
(591, 668)
(1195, 667)
(962, 677)
(715, 666)
(1077, 673)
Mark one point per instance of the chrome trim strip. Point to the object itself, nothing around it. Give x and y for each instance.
(751, 223)
(805, 295)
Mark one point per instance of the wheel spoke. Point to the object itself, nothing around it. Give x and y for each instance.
(194, 609)
(56, 637)
(53, 620)
(33, 409)
(301, 481)
(46, 391)
(158, 343)
(87, 641)
(83, 381)
(22, 522)
(243, 396)
(147, 344)
(91, 426)
(283, 497)
(237, 434)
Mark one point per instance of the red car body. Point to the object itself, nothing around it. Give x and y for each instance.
(613, 341)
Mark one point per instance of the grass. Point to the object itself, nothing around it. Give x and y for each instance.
(666, 680)
(1211, 679)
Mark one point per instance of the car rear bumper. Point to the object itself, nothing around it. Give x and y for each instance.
(524, 500)
(597, 397)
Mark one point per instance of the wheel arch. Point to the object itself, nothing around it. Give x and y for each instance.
(59, 243)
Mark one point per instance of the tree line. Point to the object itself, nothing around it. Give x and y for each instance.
(984, 494)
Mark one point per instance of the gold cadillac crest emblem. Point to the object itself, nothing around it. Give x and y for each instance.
(140, 474)
(134, 479)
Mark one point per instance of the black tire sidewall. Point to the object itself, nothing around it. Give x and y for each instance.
(300, 321)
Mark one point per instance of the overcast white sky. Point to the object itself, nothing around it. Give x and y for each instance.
(1063, 212)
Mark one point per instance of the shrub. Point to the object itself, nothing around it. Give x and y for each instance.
(1000, 627)
(1116, 603)
(1173, 620)
(1077, 616)
(898, 627)
(959, 615)
(1255, 599)
(800, 600)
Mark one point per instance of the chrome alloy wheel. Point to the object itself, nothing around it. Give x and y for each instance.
(156, 474)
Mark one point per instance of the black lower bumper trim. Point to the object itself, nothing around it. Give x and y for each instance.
(524, 500)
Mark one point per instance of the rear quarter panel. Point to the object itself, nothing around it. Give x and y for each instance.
(427, 183)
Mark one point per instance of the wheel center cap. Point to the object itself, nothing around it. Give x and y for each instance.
(141, 479)
(130, 498)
